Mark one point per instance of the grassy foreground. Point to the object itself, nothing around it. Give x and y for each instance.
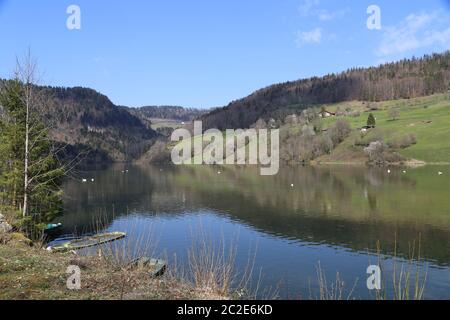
(29, 273)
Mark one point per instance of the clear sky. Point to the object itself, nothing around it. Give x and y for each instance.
(206, 53)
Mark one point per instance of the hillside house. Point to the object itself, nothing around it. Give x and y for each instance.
(326, 114)
(365, 129)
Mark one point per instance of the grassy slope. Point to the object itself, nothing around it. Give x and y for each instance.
(165, 123)
(27, 273)
(428, 118)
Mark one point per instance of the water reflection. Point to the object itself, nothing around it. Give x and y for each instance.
(345, 207)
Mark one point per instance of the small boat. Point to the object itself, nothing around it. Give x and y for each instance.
(52, 227)
(88, 242)
(52, 230)
(155, 267)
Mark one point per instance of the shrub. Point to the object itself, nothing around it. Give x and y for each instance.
(339, 131)
(307, 145)
(323, 144)
(403, 142)
(376, 151)
(392, 157)
(308, 131)
(394, 113)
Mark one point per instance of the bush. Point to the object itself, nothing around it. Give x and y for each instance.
(403, 142)
(308, 131)
(376, 151)
(394, 113)
(323, 144)
(339, 131)
(392, 157)
(307, 145)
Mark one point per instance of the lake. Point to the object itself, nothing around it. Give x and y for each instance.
(341, 218)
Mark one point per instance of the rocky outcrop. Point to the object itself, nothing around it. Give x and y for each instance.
(5, 227)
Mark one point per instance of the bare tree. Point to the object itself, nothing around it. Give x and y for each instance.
(376, 151)
(42, 172)
(394, 113)
(26, 74)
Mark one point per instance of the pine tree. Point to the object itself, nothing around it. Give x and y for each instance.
(11, 146)
(371, 122)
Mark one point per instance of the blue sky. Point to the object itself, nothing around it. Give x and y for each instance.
(204, 53)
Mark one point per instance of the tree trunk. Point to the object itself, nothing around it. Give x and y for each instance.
(27, 129)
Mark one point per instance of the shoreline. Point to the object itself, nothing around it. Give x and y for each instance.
(412, 163)
(29, 272)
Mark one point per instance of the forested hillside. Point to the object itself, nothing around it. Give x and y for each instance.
(88, 121)
(405, 79)
(84, 116)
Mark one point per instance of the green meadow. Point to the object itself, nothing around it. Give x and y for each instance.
(428, 118)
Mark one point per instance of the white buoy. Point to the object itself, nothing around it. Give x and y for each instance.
(389, 171)
(84, 180)
(92, 180)
(441, 173)
(219, 172)
(292, 185)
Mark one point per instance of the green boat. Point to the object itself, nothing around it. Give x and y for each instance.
(88, 242)
(52, 227)
(155, 267)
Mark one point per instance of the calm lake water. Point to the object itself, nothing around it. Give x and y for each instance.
(332, 216)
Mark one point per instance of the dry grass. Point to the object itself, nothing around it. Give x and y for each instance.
(333, 290)
(406, 281)
(211, 269)
(28, 273)
(408, 278)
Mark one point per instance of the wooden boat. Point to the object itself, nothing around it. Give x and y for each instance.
(52, 227)
(155, 267)
(88, 242)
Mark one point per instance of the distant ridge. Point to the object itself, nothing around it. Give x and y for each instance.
(168, 112)
(86, 120)
(408, 78)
